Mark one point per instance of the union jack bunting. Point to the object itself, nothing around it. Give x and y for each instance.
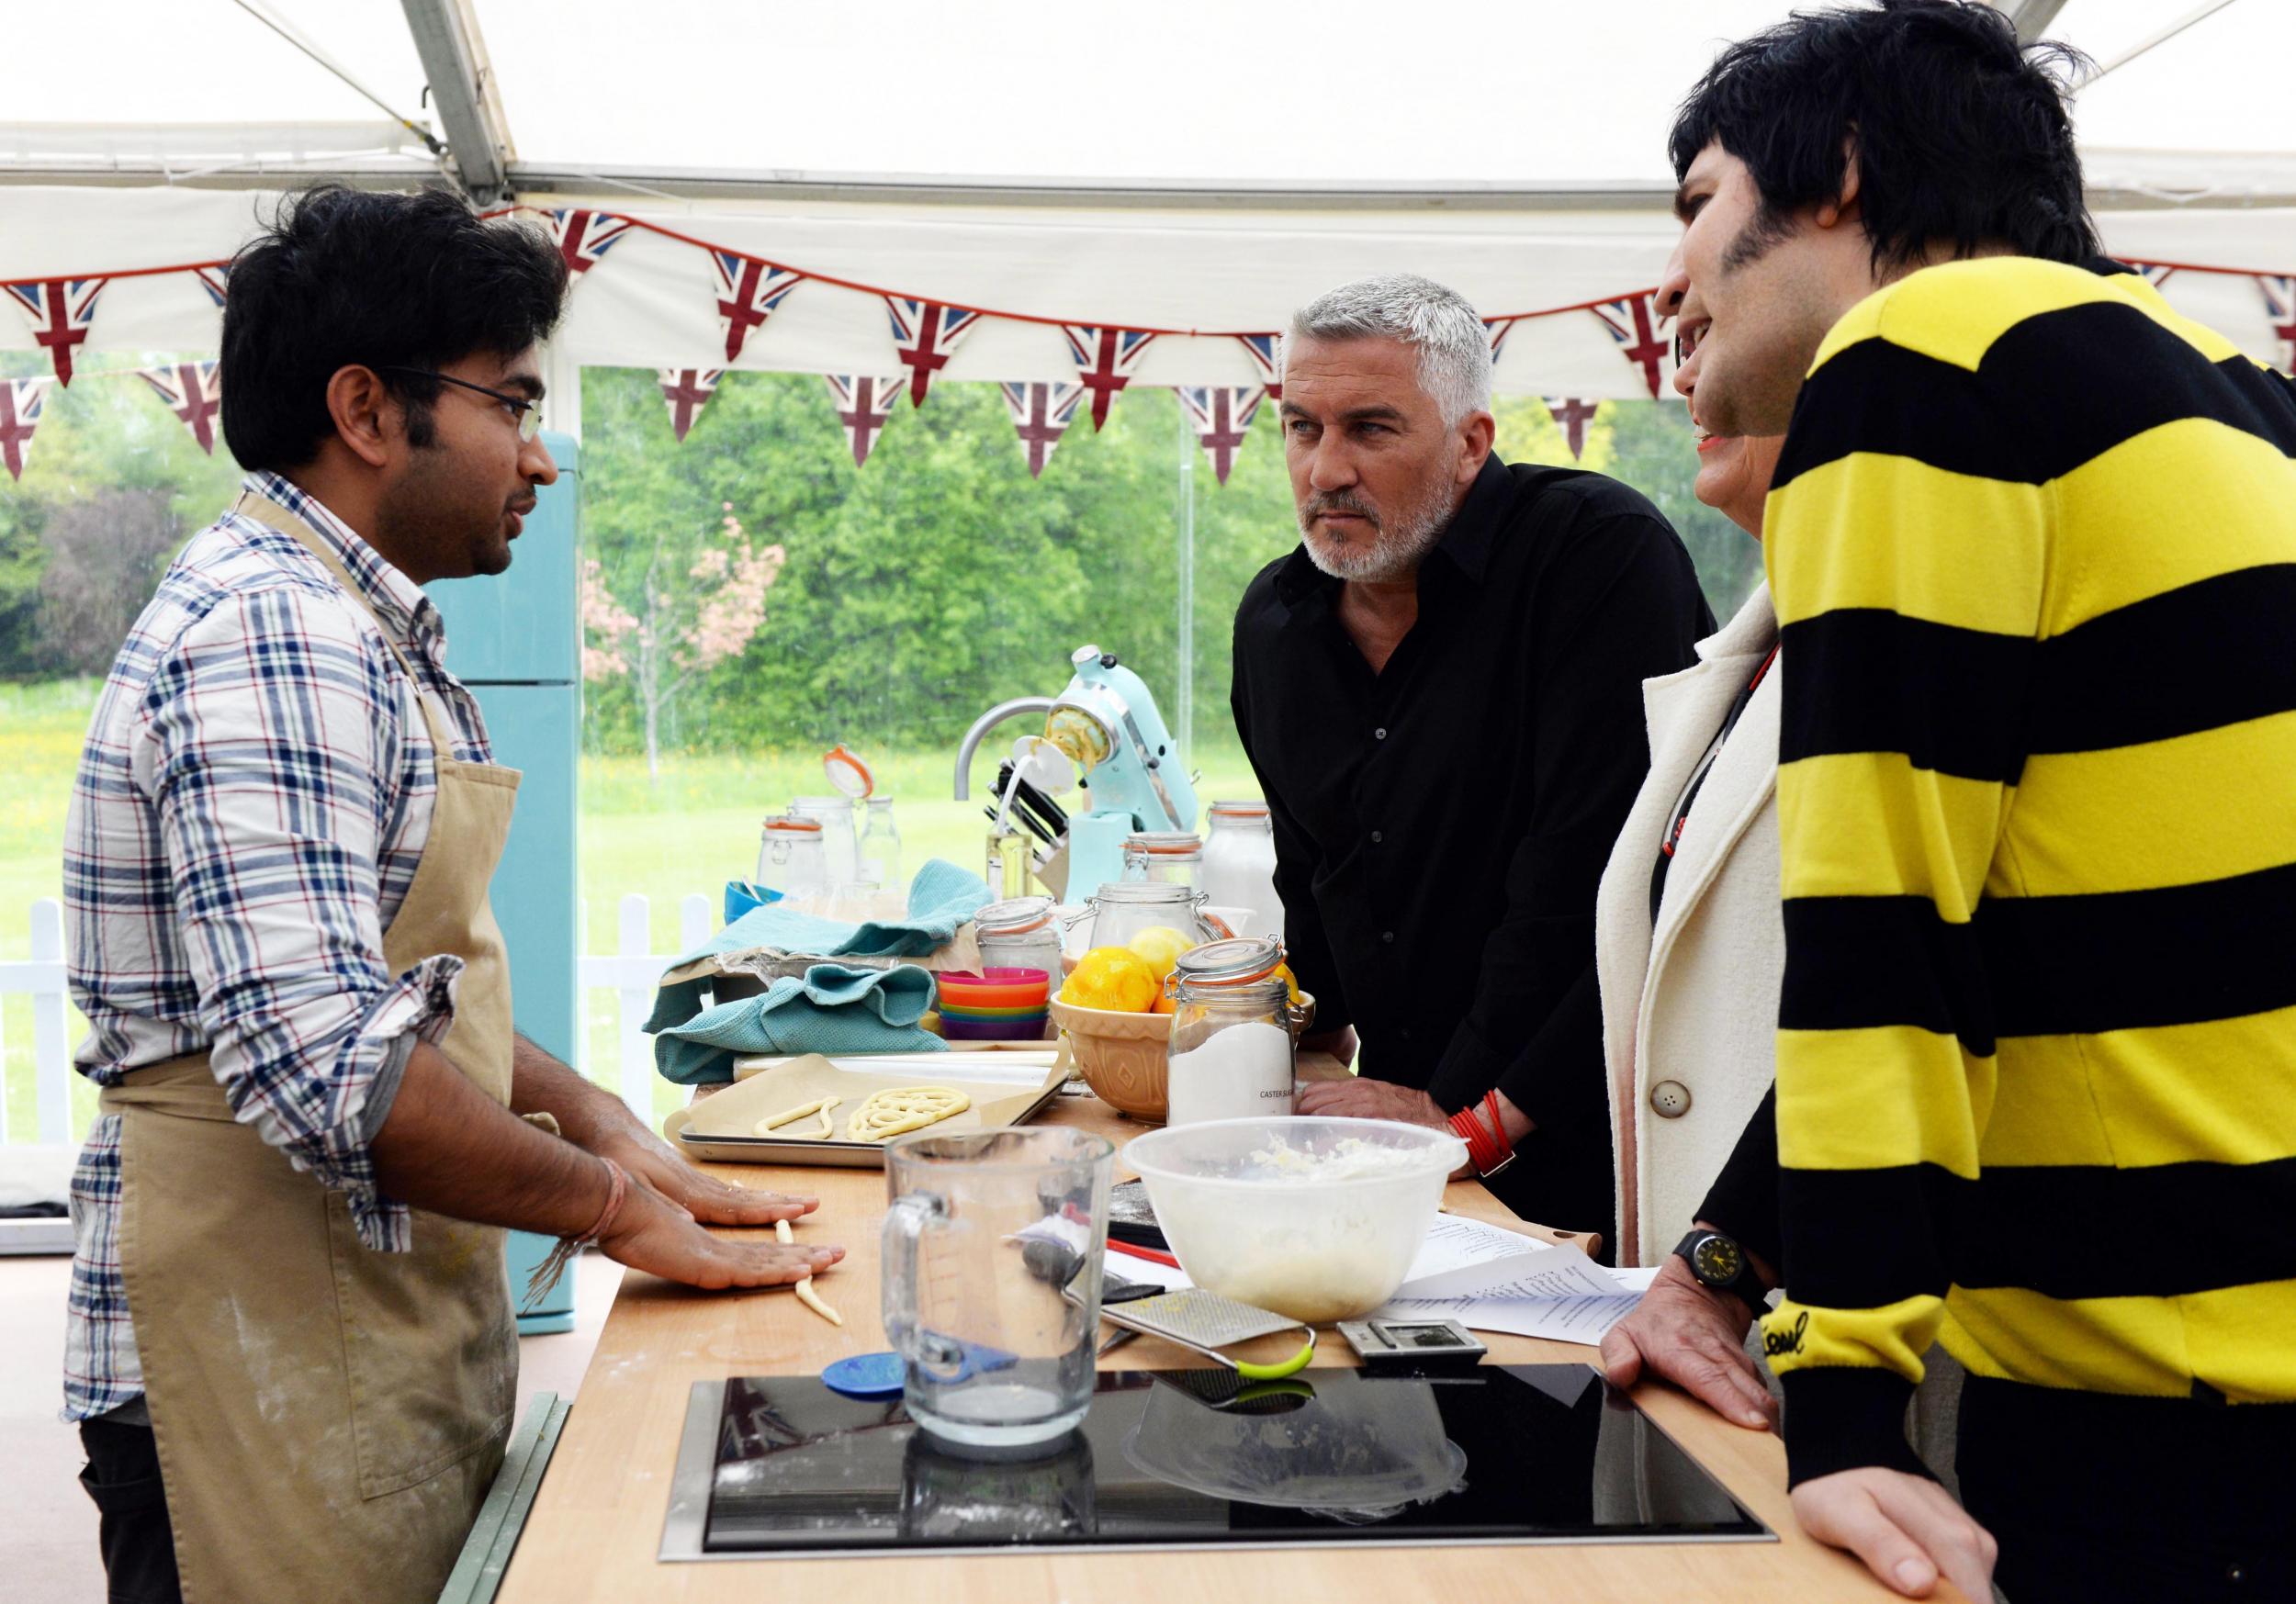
(1264, 349)
(2280, 304)
(1042, 413)
(1571, 415)
(194, 392)
(926, 334)
(584, 236)
(1222, 415)
(60, 311)
(1105, 359)
(1499, 329)
(687, 389)
(747, 291)
(864, 404)
(1634, 327)
(21, 402)
(215, 281)
(2153, 272)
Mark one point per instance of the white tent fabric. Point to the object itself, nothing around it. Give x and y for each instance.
(650, 302)
(1346, 91)
(1198, 92)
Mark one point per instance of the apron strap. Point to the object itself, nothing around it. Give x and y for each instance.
(271, 515)
(184, 1087)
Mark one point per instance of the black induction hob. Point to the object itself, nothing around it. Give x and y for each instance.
(782, 1466)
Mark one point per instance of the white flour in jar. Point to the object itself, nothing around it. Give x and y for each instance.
(1241, 1073)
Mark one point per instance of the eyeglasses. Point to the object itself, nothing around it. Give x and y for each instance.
(525, 409)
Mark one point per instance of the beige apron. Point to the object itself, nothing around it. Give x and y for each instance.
(328, 1418)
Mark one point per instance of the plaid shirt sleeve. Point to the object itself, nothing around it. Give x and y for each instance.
(269, 740)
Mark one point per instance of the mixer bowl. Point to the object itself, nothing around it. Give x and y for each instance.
(1317, 1220)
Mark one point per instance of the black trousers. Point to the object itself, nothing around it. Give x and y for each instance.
(2098, 1497)
(123, 1477)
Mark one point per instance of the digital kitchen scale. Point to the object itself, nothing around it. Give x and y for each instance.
(1201, 1459)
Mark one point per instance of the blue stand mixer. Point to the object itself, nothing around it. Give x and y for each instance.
(1105, 723)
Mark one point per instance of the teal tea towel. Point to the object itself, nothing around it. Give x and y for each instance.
(941, 898)
(692, 1045)
(832, 1009)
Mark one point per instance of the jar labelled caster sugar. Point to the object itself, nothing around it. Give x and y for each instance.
(1230, 1052)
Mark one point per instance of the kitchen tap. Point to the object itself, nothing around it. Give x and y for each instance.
(981, 727)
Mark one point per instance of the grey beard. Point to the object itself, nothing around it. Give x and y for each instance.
(1394, 551)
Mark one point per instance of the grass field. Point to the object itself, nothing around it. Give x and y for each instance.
(690, 830)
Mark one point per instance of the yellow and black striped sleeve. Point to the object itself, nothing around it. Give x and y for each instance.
(1908, 558)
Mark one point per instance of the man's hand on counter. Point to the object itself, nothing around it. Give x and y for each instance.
(653, 1234)
(701, 1197)
(1356, 1098)
(599, 1122)
(1695, 1338)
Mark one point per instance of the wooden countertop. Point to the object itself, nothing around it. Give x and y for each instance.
(597, 1523)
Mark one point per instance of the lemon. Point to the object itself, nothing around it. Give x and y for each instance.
(1114, 978)
(1283, 973)
(1160, 946)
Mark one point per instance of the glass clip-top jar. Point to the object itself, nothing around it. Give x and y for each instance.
(1122, 909)
(1229, 1054)
(790, 858)
(1171, 857)
(1019, 933)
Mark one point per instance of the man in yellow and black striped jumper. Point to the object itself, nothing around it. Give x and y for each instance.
(2032, 545)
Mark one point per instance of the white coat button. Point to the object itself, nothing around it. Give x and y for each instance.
(1670, 1099)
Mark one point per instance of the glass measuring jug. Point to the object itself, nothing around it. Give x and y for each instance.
(992, 1250)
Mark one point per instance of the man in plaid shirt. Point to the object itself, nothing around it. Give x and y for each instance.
(254, 809)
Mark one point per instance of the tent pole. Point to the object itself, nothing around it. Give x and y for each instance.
(454, 60)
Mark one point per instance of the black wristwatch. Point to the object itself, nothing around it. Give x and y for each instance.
(1720, 1263)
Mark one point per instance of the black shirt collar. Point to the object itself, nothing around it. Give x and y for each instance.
(1466, 542)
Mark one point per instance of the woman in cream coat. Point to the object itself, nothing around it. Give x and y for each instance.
(1690, 1002)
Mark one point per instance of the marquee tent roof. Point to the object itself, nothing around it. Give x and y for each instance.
(1186, 165)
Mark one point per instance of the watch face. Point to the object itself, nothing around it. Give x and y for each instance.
(1717, 1261)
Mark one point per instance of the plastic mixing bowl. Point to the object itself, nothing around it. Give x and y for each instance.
(1318, 1220)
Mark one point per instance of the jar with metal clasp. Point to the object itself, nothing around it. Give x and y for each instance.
(1019, 933)
(1122, 909)
(790, 858)
(1229, 1054)
(1171, 857)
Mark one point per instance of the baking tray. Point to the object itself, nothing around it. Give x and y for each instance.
(999, 1100)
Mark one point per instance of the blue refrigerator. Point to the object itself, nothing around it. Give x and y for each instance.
(515, 640)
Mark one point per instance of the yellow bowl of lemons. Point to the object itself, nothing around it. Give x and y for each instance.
(1115, 1012)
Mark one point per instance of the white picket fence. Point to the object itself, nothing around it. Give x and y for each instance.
(630, 972)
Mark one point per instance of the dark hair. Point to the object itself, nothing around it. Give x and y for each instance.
(1960, 133)
(345, 276)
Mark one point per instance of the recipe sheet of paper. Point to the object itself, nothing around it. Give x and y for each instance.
(1488, 1279)
(1553, 1291)
(1456, 1241)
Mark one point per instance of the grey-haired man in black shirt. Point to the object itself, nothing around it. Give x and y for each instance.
(1441, 692)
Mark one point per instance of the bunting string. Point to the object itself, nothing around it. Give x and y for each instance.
(926, 333)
